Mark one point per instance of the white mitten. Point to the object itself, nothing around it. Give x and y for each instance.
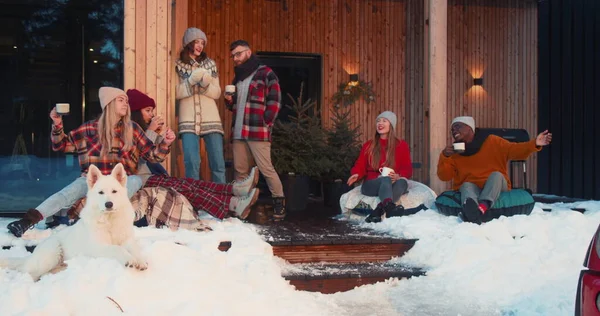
(199, 76)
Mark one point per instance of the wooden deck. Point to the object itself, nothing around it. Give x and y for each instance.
(328, 255)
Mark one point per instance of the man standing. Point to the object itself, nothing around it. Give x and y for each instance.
(255, 106)
(479, 172)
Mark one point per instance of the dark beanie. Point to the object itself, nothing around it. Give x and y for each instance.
(139, 100)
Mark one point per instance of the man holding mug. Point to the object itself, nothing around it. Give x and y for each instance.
(479, 170)
(255, 105)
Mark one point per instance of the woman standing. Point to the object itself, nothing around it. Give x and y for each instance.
(384, 150)
(196, 92)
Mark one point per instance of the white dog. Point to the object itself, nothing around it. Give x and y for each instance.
(105, 229)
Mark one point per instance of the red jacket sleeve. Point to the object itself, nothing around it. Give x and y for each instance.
(403, 162)
(360, 166)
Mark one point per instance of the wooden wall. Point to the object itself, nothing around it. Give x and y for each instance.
(353, 36)
(148, 60)
(497, 41)
(381, 40)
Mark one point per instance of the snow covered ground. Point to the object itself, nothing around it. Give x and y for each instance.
(524, 265)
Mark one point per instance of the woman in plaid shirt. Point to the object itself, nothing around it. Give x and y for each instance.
(105, 142)
(215, 198)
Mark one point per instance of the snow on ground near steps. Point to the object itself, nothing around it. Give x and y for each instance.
(522, 265)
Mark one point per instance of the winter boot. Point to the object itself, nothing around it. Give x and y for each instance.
(244, 204)
(278, 208)
(471, 211)
(243, 188)
(18, 228)
(380, 210)
(401, 211)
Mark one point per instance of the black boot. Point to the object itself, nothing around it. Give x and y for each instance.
(278, 208)
(382, 208)
(396, 212)
(471, 211)
(18, 228)
(401, 211)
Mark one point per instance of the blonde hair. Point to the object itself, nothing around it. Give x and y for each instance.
(374, 150)
(107, 123)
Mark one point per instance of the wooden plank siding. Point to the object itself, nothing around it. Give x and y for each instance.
(381, 40)
(496, 41)
(364, 37)
(148, 64)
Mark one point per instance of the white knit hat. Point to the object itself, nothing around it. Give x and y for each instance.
(468, 120)
(107, 94)
(390, 116)
(193, 34)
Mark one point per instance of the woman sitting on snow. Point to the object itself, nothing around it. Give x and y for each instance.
(104, 142)
(214, 198)
(384, 150)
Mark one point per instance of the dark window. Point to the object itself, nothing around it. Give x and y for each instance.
(294, 69)
(51, 51)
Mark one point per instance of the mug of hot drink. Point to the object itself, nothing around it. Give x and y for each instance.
(459, 147)
(62, 108)
(385, 171)
(229, 89)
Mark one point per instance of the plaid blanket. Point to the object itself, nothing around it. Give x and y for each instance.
(161, 207)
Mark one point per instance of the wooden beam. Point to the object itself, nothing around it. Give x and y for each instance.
(179, 23)
(436, 28)
(129, 44)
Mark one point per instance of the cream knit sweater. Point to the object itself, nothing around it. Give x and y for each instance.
(197, 109)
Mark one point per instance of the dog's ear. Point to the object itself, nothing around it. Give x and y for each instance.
(93, 175)
(119, 173)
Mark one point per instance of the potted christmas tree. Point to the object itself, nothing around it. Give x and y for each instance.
(299, 151)
(343, 142)
(343, 139)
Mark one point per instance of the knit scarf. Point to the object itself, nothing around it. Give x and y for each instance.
(246, 69)
(475, 145)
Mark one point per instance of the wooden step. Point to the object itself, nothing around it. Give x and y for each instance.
(341, 250)
(331, 278)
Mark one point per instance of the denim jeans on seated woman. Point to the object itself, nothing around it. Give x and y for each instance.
(70, 194)
(213, 143)
(384, 188)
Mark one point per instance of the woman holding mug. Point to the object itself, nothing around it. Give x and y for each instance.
(196, 92)
(384, 163)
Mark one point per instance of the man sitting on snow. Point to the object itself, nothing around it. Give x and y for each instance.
(480, 171)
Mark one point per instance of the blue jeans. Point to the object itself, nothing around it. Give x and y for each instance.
(66, 197)
(384, 188)
(191, 155)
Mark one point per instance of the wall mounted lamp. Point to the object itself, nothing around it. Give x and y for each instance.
(478, 81)
(353, 80)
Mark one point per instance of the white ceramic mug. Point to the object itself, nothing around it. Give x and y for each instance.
(385, 171)
(62, 108)
(458, 147)
(229, 89)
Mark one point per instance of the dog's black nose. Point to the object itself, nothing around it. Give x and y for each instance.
(108, 204)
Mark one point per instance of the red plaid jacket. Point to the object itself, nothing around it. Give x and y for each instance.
(85, 141)
(262, 105)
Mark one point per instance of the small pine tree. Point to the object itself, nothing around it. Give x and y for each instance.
(344, 143)
(300, 145)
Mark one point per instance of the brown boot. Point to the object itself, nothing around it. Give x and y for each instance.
(18, 228)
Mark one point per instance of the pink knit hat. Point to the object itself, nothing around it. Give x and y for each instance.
(107, 94)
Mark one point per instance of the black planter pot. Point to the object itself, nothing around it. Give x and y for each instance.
(332, 192)
(296, 189)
